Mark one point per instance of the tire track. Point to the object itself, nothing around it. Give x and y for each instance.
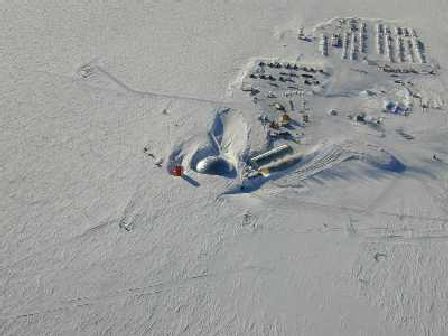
(319, 163)
(132, 292)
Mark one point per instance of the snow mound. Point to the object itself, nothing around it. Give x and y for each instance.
(227, 146)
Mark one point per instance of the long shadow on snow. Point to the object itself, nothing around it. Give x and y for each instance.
(188, 179)
(371, 170)
(257, 182)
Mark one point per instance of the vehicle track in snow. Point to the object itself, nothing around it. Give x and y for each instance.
(122, 88)
(322, 161)
(136, 292)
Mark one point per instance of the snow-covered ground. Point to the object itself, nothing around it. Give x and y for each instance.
(100, 99)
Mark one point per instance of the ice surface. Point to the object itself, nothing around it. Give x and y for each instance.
(97, 238)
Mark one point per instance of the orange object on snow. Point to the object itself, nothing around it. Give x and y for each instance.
(177, 171)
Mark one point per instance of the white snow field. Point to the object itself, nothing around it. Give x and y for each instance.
(342, 229)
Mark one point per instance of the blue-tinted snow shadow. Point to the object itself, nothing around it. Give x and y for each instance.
(191, 181)
(349, 170)
(352, 170)
(255, 183)
(220, 166)
(393, 166)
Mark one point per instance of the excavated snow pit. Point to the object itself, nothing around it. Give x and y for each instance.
(215, 165)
